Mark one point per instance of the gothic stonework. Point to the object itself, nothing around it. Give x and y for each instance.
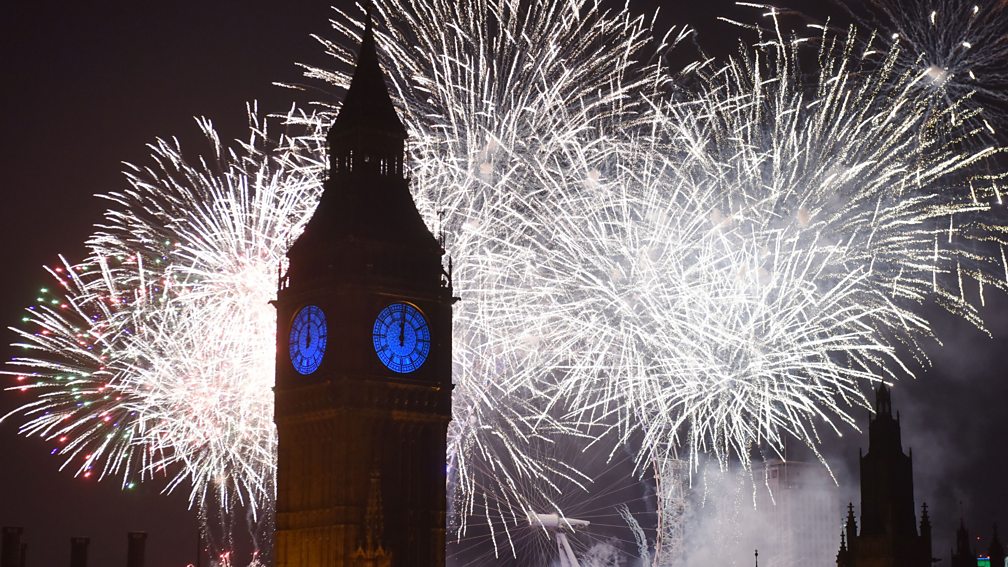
(363, 374)
(888, 536)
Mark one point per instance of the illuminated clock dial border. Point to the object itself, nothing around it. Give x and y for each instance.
(401, 338)
(307, 340)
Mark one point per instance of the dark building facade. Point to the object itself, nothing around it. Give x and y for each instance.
(996, 550)
(963, 555)
(136, 544)
(12, 550)
(79, 551)
(888, 535)
(363, 373)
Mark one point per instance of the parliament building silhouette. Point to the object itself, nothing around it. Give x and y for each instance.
(889, 534)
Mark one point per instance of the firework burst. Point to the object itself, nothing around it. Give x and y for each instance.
(958, 49)
(588, 484)
(156, 359)
(773, 247)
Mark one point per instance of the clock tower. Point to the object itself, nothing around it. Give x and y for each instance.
(363, 373)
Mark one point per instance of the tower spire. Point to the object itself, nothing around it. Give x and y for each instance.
(367, 106)
(843, 556)
(883, 401)
(366, 196)
(996, 550)
(851, 525)
(963, 555)
(367, 133)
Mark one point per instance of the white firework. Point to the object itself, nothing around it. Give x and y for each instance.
(958, 48)
(157, 360)
(588, 483)
(773, 249)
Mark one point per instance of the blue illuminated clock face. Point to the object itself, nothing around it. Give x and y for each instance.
(308, 339)
(401, 338)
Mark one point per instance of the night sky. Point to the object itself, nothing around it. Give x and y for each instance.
(86, 87)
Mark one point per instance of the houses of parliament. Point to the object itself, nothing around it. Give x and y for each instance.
(889, 534)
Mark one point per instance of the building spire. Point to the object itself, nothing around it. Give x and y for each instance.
(851, 522)
(367, 135)
(883, 401)
(996, 550)
(963, 555)
(925, 521)
(366, 195)
(843, 556)
(962, 539)
(367, 105)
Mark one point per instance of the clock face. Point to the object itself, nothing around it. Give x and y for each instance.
(401, 338)
(308, 339)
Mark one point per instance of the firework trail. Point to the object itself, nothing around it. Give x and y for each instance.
(155, 357)
(740, 284)
(959, 49)
(590, 484)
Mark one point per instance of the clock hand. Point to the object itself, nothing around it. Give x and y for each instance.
(402, 329)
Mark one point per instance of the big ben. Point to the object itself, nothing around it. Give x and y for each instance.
(363, 373)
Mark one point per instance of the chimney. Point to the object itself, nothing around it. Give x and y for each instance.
(135, 550)
(10, 552)
(78, 551)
